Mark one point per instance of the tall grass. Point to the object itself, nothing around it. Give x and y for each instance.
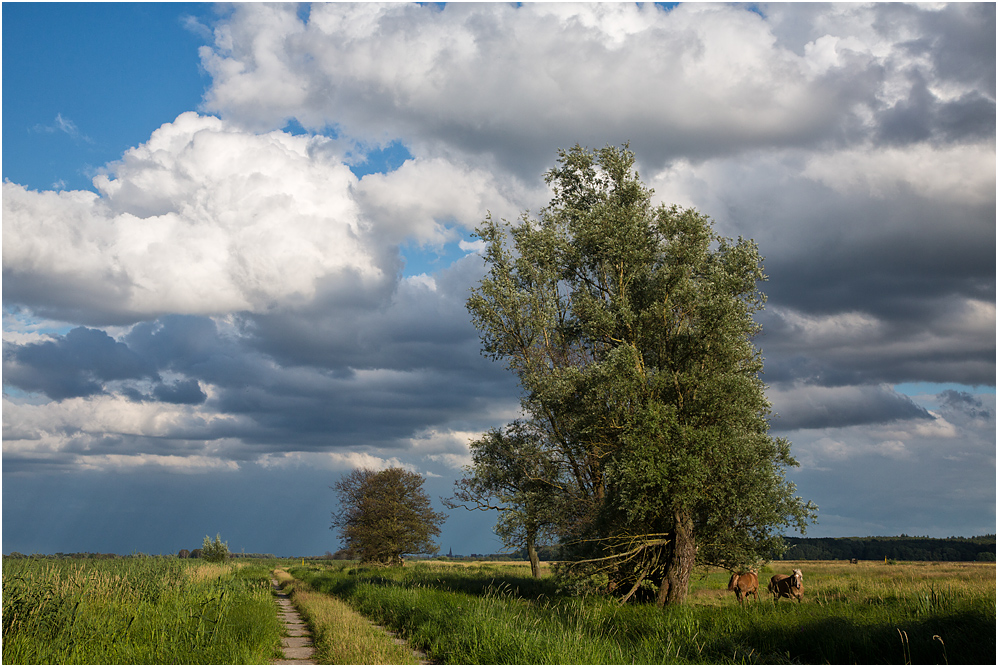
(493, 615)
(137, 611)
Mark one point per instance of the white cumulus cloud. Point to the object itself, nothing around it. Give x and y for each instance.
(199, 219)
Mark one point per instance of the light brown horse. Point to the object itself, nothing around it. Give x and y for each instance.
(783, 586)
(744, 584)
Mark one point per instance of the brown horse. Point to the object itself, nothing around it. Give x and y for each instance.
(744, 584)
(783, 586)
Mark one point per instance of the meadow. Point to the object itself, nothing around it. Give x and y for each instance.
(909, 613)
(137, 611)
(170, 611)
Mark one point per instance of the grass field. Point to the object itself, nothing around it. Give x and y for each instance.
(496, 614)
(137, 611)
(169, 611)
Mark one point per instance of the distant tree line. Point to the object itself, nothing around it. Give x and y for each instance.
(544, 553)
(78, 555)
(86, 555)
(903, 547)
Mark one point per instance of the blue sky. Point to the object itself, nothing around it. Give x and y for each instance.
(134, 64)
(238, 240)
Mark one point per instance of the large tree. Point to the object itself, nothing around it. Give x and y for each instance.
(630, 328)
(384, 515)
(512, 474)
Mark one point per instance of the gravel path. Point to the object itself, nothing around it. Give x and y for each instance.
(297, 645)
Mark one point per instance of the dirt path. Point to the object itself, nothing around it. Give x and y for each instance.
(297, 646)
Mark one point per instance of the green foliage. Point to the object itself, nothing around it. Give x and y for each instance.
(630, 329)
(136, 611)
(384, 515)
(512, 474)
(214, 552)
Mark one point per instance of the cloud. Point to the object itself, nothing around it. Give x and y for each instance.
(205, 219)
(308, 379)
(875, 275)
(698, 81)
(334, 461)
(958, 174)
(66, 126)
(382, 71)
(932, 477)
(199, 219)
(84, 431)
(422, 197)
(186, 392)
(77, 364)
(809, 407)
(949, 343)
(966, 405)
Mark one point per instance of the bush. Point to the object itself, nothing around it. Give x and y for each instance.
(214, 552)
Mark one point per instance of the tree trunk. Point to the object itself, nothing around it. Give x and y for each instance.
(679, 563)
(535, 561)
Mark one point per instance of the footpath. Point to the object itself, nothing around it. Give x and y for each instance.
(297, 646)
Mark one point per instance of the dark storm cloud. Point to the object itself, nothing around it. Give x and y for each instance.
(922, 116)
(327, 375)
(362, 413)
(857, 349)
(77, 364)
(420, 326)
(866, 286)
(176, 342)
(810, 407)
(150, 511)
(963, 38)
(826, 252)
(965, 403)
(369, 374)
(186, 392)
(78, 301)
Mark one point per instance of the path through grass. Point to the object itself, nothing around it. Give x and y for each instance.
(342, 636)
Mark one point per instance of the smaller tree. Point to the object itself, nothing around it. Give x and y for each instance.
(384, 515)
(214, 552)
(511, 474)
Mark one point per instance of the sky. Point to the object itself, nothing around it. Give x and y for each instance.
(238, 241)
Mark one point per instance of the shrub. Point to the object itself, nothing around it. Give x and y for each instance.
(214, 552)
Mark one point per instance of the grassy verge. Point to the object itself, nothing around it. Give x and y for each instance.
(342, 636)
(493, 615)
(137, 611)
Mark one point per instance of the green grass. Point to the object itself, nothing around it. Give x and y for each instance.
(137, 611)
(498, 615)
